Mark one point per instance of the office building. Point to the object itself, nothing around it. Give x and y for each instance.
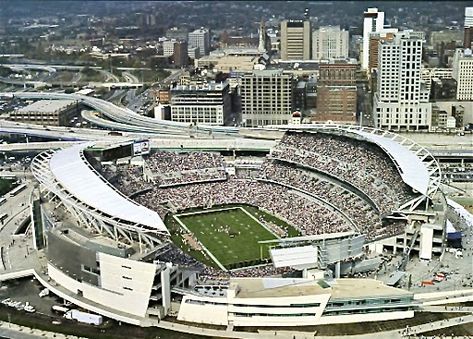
(468, 34)
(264, 43)
(373, 22)
(401, 103)
(385, 34)
(193, 52)
(207, 104)
(463, 73)
(343, 74)
(295, 40)
(330, 42)
(168, 47)
(336, 93)
(266, 97)
(200, 38)
(180, 55)
(46, 112)
(336, 103)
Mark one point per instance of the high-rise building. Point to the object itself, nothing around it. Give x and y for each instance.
(401, 102)
(336, 93)
(180, 56)
(206, 104)
(373, 22)
(168, 47)
(295, 40)
(200, 38)
(193, 52)
(330, 42)
(262, 37)
(385, 34)
(463, 73)
(468, 38)
(266, 97)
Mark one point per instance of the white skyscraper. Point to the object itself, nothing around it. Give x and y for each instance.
(200, 38)
(168, 47)
(373, 22)
(468, 16)
(401, 103)
(463, 73)
(330, 42)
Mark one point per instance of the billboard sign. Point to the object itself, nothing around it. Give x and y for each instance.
(141, 147)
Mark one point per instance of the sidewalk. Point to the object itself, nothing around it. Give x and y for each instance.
(10, 330)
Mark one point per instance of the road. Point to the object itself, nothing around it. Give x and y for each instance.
(109, 77)
(126, 116)
(130, 77)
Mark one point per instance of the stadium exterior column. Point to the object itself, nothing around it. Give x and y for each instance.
(337, 270)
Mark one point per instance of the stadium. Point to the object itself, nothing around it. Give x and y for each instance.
(236, 237)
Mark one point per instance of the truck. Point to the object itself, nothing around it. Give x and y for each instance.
(59, 309)
(83, 317)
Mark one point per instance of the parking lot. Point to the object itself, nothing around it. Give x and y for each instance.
(27, 289)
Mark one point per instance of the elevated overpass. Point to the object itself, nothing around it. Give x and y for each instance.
(155, 143)
(36, 146)
(124, 115)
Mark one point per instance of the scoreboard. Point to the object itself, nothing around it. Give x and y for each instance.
(141, 147)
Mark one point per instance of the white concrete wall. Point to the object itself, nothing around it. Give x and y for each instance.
(426, 238)
(432, 295)
(207, 314)
(114, 272)
(90, 307)
(355, 318)
(112, 292)
(224, 314)
(275, 301)
(166, 289)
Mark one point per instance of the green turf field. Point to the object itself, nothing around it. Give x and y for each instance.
(231, 235)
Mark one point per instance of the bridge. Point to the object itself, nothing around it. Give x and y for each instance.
(125, 115)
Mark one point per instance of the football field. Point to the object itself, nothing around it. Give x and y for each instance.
(231, 235)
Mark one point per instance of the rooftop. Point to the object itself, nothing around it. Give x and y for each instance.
(275, 287)
(73, 172)
(291, 287)
(47, 106)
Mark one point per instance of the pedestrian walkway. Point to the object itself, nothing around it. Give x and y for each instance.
(446, 309)
(10, 330)
(266, 334)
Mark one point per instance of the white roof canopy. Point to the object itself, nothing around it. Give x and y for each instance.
(413, 171)
(78, 177)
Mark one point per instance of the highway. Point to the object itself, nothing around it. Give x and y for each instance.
(124, 115)
(69, 133)
(93, 117)
(176, 143)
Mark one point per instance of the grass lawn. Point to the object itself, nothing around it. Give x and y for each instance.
(231, 235)
(465, 202)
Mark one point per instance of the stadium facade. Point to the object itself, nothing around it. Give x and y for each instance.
(114, 265)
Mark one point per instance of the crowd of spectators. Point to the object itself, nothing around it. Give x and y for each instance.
(308, 216)
(171, 253)
(297, 183)
(361, 164)
(358, 210)
(169, 169)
